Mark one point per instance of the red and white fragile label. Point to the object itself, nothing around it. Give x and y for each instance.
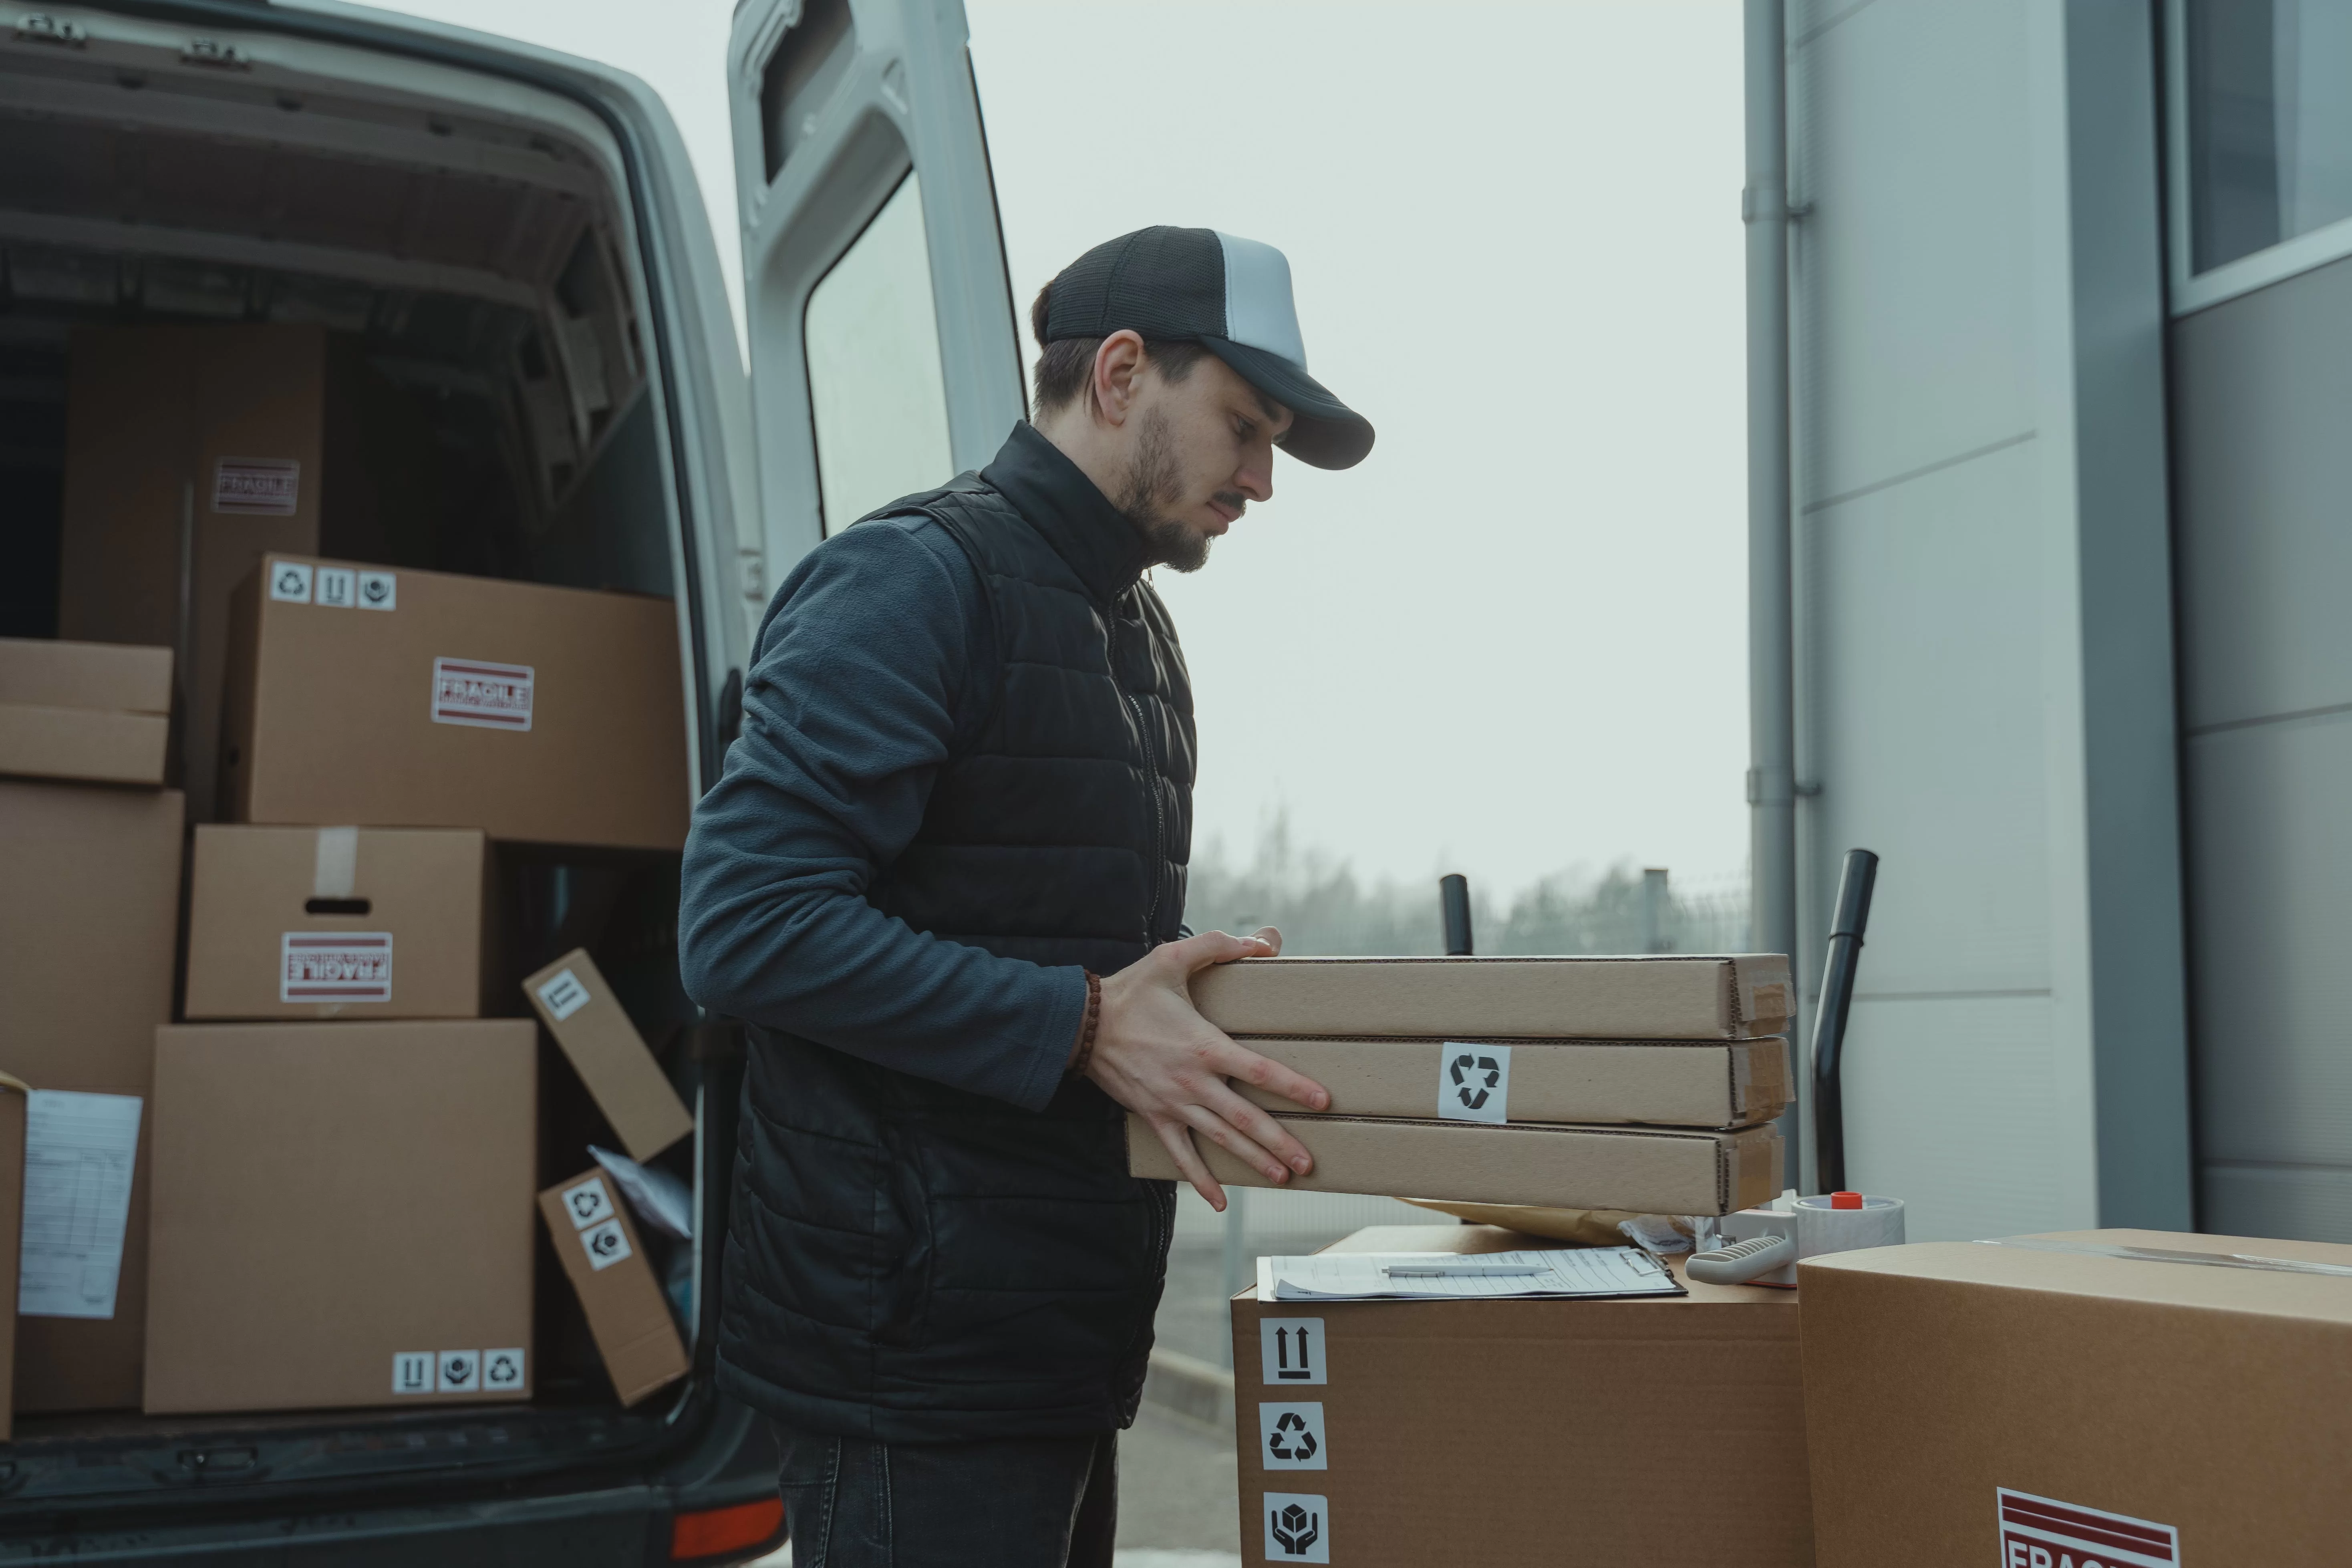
(475, 691)
(335, 966)
(2042, 1533)
(257, 487)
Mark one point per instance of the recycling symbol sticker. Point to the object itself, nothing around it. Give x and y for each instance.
(1474, 1082)
(1291, 1437)
(1297, 1528)
(502, 1368)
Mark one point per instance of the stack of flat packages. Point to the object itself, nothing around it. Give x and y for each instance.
(1643, 1083)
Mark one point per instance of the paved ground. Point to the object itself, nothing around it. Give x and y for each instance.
(1176, 1489)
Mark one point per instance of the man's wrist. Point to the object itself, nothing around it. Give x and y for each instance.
(1088, 1022)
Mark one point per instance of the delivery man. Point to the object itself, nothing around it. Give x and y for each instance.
(941, 880)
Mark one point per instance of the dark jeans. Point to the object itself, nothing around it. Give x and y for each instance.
(1048, 1502)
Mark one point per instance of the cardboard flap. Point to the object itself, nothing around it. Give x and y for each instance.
(605, 1048)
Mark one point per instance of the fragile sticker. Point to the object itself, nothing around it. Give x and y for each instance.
(412, 1371)
(588, 1203)
(336, 587)
(606, 1244)
(257, 487)
(289, 583)
(335, 966)
(378, 591)
(2042, 1533)
(486, 696)
(1290, 1436)
(1473, 1083)
(502, 1370)
(562, 995)
(1297, 1527)
(1290, 1349)
(461, 1371)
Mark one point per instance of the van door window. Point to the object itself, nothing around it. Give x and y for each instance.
(876, 395)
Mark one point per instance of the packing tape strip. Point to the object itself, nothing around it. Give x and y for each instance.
(1822, 1229)
(2166, 1255)
(336, 870)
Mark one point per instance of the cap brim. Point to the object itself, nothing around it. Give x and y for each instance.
(1324, 431)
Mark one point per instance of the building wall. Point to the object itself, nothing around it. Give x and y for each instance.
(1984, 602)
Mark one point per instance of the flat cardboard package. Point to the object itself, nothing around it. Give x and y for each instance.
(326, 922)
(606, 1260)
(88, 928)
(605, 1048)
(422, 700)
(100, 712)
(1659, 997)
(12, 1215)
(1971, 1403)
(342, 1215)
(1647, 1082)
(1520, 1434)
(1646, 1170)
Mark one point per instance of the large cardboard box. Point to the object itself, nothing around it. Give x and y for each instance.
(2118, 1396)
(604, 1258)
(95, 711)
(189, 452)
(1667, 996)
(1659, 1083)
(88, 928)
(1520, 1434)
(325, 923)
(1649, 1170)
(342, 1215)
(578, 1006)
(421, 699)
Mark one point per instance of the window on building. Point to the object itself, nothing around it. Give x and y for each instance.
(876, 390)
(2269, 122)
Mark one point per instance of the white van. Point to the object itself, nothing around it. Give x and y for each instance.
(517, 240)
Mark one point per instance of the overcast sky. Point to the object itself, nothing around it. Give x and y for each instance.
(1513, 640)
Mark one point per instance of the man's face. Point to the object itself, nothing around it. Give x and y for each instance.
(1201, 450)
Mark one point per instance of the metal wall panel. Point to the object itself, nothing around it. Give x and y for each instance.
(2260, 1200)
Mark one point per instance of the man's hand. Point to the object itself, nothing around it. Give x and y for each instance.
(1157, 1056)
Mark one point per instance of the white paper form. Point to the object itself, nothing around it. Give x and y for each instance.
(78, 1150)
(1457, 1276)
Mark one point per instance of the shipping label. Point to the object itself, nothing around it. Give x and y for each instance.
(289, 583)
(502, 1370)
(1297, 1527)
(562, 995)
(1290, 1437)
(379, 590)
(1474, 1082)
(588, 1203)
(1290, 1349)
(485, 695)
(2042, 1533)
(335, 966)
(606, 1245)
(257, 487)
(412, 1371)
(336, 587)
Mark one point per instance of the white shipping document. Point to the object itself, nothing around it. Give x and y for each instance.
(1463, 1277)
(78, 1150)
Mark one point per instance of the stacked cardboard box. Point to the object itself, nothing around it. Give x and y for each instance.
(1646, 1084)
(1399, 1434)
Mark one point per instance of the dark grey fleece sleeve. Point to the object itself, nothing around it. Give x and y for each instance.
(858, 679)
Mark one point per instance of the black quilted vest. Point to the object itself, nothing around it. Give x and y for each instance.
(909, 1262)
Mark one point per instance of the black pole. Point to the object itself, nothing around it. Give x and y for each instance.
(1854, 885)
(1454, 902)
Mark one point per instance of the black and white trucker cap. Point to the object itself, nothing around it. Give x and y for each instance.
(1233, 298)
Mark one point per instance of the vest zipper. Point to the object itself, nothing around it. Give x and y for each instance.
(1152, 781)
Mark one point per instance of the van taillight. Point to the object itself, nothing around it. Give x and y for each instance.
(705, 1533)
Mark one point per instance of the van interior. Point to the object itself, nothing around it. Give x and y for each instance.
(469, 255)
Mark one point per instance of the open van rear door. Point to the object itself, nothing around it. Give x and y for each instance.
(884, 353)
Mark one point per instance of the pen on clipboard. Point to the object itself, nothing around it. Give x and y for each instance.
(1461, 1271)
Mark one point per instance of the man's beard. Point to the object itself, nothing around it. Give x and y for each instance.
(1153, 485)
